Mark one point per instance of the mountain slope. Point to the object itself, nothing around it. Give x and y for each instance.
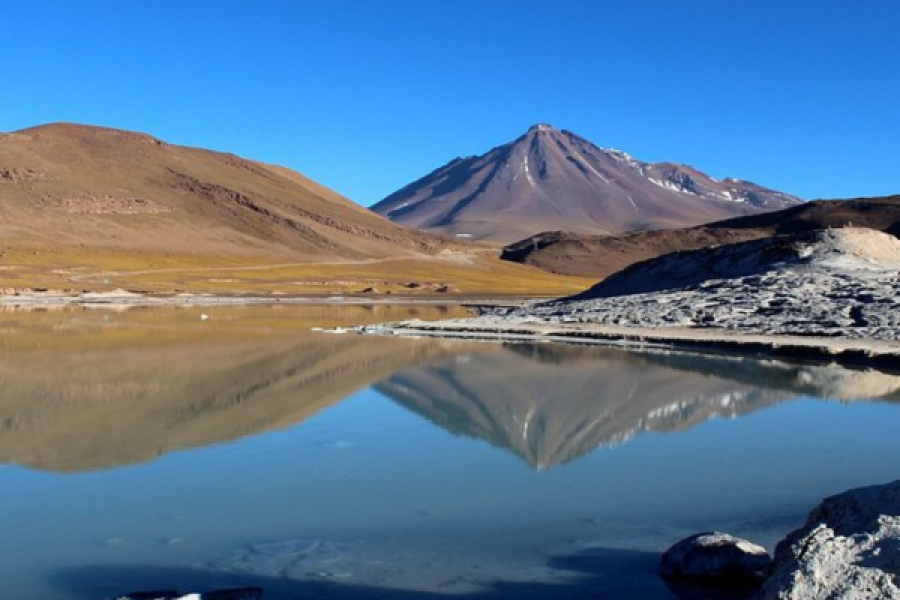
(599, 256)
(78, 185)
(550, 179)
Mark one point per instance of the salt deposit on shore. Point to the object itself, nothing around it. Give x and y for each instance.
(824, 294)
(840, 283)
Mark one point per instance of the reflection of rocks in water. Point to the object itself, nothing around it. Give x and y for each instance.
(84, 390)
(294, 559)
(814, 379)
(550, 404)
(143, 391)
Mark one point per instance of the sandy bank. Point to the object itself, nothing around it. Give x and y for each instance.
(122, 299)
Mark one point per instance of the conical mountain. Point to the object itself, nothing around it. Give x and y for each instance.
(67, 185)
(551, 179)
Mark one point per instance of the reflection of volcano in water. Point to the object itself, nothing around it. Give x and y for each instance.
(91, 390)
(552, 404)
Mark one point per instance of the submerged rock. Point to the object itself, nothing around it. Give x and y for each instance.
(252, 593)
(714, 556)
(849, 549)
(293, 559)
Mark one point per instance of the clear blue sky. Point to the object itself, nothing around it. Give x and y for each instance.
(366, 96)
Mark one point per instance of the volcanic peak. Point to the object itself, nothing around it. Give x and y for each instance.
(550, 179)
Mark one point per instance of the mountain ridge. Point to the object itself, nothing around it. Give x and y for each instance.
(600, 256)
(553, 179)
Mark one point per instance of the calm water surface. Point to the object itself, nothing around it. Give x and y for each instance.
(151, 449)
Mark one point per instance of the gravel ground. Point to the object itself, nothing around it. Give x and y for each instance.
(820, 302)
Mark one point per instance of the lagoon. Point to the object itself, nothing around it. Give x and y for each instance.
(156, 448)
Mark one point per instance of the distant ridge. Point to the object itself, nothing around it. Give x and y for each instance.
(844, 249)
(552, 179)
(599, 256)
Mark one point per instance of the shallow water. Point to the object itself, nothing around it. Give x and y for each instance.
(154, 449)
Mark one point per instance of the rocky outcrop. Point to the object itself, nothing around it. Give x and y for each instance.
(714, 556)
(828, 283)
(848, 549)
(850, 249)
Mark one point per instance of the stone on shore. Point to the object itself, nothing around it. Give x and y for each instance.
(849, 549)
(714, 556)
(252, 593)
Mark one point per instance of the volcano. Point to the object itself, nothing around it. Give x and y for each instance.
(550, 179)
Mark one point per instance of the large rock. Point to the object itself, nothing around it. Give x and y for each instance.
(851, 249)
(252, 593)
(714, 556)
(849, 549)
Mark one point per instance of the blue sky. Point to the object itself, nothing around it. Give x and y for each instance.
(366, 96)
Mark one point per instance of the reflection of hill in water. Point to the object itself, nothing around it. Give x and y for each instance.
(84, 390)
(133, 391)
(552, 404)
(822, 381)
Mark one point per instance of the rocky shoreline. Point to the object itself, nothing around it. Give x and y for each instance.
(825, 295)
(788, 302)
(848, 548)
(866, 352)
(832, 296)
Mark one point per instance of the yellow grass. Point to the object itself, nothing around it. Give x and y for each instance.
(66, 329)
(83, 268)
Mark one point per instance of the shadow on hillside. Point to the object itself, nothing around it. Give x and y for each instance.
(594, 573)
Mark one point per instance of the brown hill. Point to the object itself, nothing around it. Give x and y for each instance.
(600, 256)
(551, 179)
(97, 208)
(93, 186)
